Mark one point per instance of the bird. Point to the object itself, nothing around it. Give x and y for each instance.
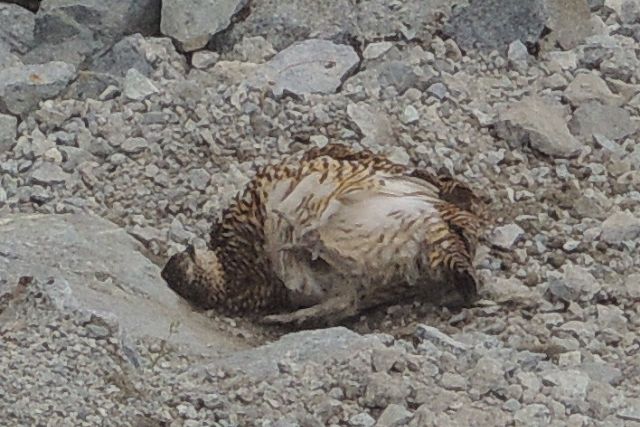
(324, 236)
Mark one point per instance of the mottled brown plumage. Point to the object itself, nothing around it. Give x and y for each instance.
(333, 233)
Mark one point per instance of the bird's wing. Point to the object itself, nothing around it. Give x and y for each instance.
(347, 218)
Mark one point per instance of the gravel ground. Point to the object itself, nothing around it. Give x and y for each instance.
(552, 139)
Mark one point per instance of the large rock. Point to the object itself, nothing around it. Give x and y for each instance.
(7, 58)
(609, 121)
(312, 66)
(539, 123)
(590, 87)
(106, 273)
(285, 22)
(16, 27)
(299, 348)
(192, 23)
(126, 54)
(73, 30)
(21, 88)
(494, 24)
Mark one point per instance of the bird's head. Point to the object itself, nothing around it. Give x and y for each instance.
(196, 275)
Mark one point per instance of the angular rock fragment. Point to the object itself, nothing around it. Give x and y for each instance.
(594, 118)
(539, 123)
(21, 88)
(16, 27)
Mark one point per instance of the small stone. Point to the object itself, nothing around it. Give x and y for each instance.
(452, 381)
(619, 227)
(254, 49)
(138, 87)
(512, 290)
(631, 411)
(439, 90)
(394, 416)
(376, 50)
(133, 146)
(49, 174)
(532, 415)
(362, 420)
(569, 386)
(511, 405)
(199, 178)
(16, 27)
(518, 55)
(8, 129)
(410, 115)
(204, 59)
(569, 21)
(506, 236)
(439, 339)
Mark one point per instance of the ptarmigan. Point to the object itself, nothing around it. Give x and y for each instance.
(333, 233)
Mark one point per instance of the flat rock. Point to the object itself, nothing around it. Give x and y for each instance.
(16, 27)
(191, 23)
(283, 23)
(374, 124)
(137, 86)
(494, 24)
(569, 21)
(21, 88)
(315, 346)
(89, 85)
(49, 174)
(8, 128)
(394, 415)
(594, 118)
(121, 57)
(539, 123)
(619, 227)
(439, 339)
(508, 290)
(590, 87)
(312, 66)
(506, 236)
(106, 273)
(7, 58)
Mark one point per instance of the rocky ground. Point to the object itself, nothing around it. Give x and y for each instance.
(124, 130)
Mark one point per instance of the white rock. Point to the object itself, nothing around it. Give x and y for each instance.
(619, 227)
(204, 59)
(506, 236)
(375, 50)
(137, 86)
(410, 115)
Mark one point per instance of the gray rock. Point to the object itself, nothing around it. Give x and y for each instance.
(494, 24)
(506, 236)
(488, 376)
(7, 58)
(312, 66)
(135, 145)
(452, 381)
(383, 389)
(199, 178)
(374, 124)
(137, 87)
(192, 23)
(602, 372)
(513, 290)
(8, 129)
(57, 20)
(569, 21)
(285, 23)
(21, 88)
(89, 85)
(394, 415)
(121, 57)
(532, 415)
(619, 227)
(16, 27)
(375, 50)
(594, 118)
(49, 174)
(518, 55)
(631, 411)
(362, 420)
(590, 87)
(539, 123)
(575, 284)
(569, 387)
(204, 59)
(106, 273)
(439, 339)
(253, 49)
(315, 346)
(410, 115)
(439, 90)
